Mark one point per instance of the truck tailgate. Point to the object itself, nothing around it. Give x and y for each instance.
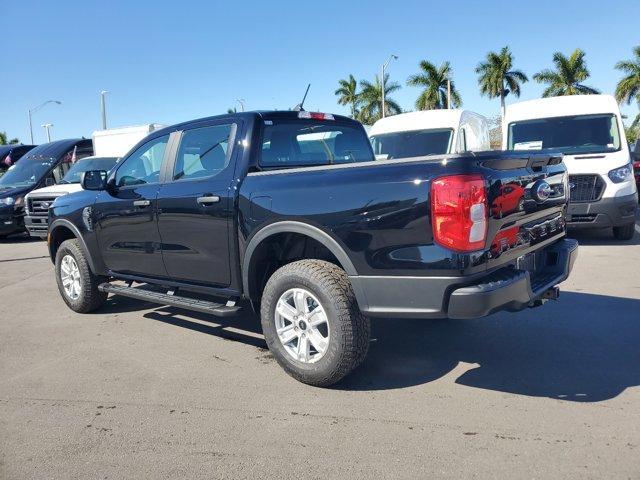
(526, 197)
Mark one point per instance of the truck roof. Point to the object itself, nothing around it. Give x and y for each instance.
(54, 149)
(561, 107)
(421, 120)
(266, 114)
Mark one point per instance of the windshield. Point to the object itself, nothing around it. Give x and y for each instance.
(26, 172)
(570, 135)
(74, 174)
(305, 143)
(413, 144)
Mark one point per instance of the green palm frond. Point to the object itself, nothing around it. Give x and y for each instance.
(568, 76)
(628, 88)
(496, 76)
(433, 80)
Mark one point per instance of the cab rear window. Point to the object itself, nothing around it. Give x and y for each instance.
(309, 143)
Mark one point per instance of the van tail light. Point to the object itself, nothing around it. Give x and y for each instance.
(459, 212)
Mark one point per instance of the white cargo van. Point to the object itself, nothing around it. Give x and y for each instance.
(588, 130)
(429, 132)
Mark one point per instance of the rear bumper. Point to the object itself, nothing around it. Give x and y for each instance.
(462, 298)
(606, 212)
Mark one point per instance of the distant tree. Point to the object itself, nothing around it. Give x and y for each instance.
(628, 88)
(347, 94)
(371, 99)
(567, 77)
(498, 78)
(434, 82)
(4, 141)
(232, 110)
(495, 133)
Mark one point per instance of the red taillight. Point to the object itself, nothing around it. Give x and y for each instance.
(459, 212)
(636, 165)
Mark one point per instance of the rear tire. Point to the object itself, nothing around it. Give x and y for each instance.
(76, 282)
(339, 342)
(625, 232)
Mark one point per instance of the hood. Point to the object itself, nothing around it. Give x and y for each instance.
(14, 192)
(60, 189)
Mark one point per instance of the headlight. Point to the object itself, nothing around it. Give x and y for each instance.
(621, 174)
(8, 201)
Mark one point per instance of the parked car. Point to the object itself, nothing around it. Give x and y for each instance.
(10, 154)
(37, 202)
(588, 130)
(215, 213)
(430, 132)
(42, 166)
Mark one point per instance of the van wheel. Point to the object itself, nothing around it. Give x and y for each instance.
(312, 323)
(76, 283)
(625, 232)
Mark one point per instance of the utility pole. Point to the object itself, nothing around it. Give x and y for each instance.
(34, 110)
(46, 127)
(384, 66)
(448, 94)
(103, 105)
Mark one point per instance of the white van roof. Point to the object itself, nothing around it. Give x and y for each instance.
(561, 107)
(421, 120)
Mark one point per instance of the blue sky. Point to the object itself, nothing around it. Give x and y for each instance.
(172, 62)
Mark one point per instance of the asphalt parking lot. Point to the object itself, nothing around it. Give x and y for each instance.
(139, 391)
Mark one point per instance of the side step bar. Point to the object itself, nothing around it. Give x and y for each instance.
(203, 306)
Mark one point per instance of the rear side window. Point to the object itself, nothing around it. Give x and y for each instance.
(307, 143)
(204, 151)
(413, 143)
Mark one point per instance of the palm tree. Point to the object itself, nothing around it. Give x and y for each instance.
(232, 110)
(371, 99)
(347, 93)
(497, 78)
(568, 76)
(628, 88)
(434, 80)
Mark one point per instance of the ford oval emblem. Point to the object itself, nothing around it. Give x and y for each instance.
(542, 191)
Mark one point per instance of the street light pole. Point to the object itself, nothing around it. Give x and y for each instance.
(384, 66)
(103, 106)
(241, 102)
(448, 94)
(47, 126)
(34, 110)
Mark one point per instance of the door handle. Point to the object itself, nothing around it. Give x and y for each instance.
(141, 203)
(208, 199)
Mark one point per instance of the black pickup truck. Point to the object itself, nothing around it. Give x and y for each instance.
(290, 214)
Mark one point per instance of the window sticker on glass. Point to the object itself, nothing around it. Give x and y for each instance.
(534, 145)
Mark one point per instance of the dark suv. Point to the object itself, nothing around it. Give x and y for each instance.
(42, 166)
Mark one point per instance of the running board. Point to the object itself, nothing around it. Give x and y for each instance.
(203, 306)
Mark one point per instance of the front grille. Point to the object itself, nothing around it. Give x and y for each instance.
(584, 218)
(585, 188)
(39, 206)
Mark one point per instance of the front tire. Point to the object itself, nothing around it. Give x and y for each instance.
(312, 323)
(76, 282)
(625, 232)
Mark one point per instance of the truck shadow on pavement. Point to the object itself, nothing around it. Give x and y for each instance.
(583, 348)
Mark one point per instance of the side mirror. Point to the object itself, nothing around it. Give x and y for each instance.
(94, 180)
(49, 182)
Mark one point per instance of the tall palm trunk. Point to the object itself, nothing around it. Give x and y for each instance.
(502, 107)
